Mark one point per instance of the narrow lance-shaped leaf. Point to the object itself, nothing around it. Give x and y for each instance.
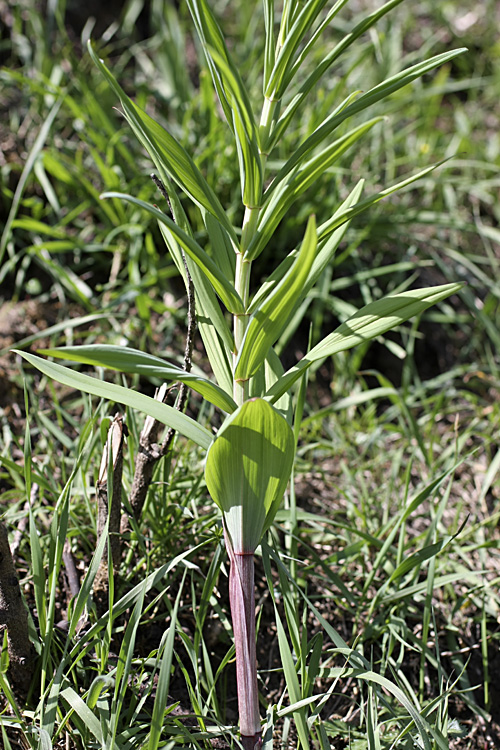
(222, 286)
(324, 255)
(212, 325)
(234, 100)
(117, 393)
(165, 151)
(247, 470)
(270, 319)
(348, 213)
(246, 134)
(381, 91)
(311, 44)
(125, 359)
(319, 70)
(291, 189)
(301, 26)
(269, 50)
(371, 321)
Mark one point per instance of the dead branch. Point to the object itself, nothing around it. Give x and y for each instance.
(112, 458)
(14, 615)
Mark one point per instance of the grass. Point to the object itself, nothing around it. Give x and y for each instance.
(389, 539)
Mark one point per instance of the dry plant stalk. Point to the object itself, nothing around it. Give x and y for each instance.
(14, 615)
(113, 453)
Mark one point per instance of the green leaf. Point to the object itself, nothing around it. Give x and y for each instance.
(371, 321)
(324, 255)
(381, 91)
(233, 98)
(124, 359)
(349, 213)
(161, 697)
(248, 467)
(222, 286)
(222, 248)
(166, 152)
(212, 324)
(319, 71)
(289, 190)
(269, 50)
(117, 393)
(271, 317)
(311, 44)
(246, 134)
(90, 721)
(279, 77)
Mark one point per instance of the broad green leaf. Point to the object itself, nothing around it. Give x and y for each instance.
(291, 189)
(165, 151)
(248, 467)
(381, 91)
(369, 322)
(117, 393)
(222, 286)
(269, 320)
(125, 359)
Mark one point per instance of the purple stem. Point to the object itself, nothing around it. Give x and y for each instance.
(242, 601)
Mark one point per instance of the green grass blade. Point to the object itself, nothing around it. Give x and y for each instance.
(27, 169)
(164, 676)
(79, 706)
(368, 323)
(123, 359)
(292, 682)
(117, 393)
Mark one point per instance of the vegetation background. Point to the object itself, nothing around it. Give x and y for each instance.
(381, 422)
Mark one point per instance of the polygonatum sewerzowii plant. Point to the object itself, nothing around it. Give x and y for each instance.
(250, 459)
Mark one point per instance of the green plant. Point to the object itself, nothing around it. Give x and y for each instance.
(250, 460)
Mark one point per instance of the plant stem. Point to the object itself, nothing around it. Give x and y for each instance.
(242, 601)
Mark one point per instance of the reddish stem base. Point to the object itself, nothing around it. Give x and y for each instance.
(242, 601)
